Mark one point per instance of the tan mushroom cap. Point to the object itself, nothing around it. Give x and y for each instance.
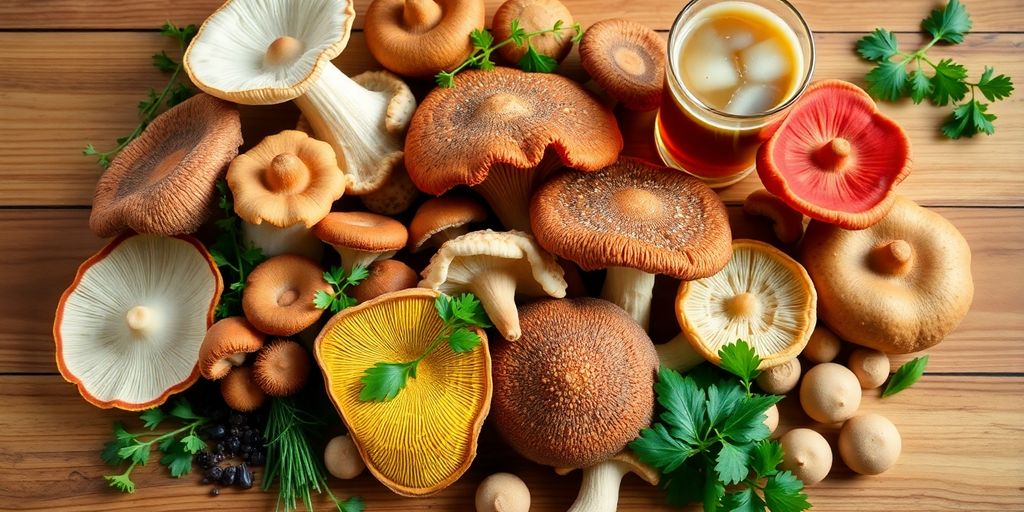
(286, 179)
(281, 368)
(627, 60)
(164, 182)
(361, 237)
(533, 15)
(278, 296)
(394, 196)
(577, 386)
(240, 391)
(225, 346)
(421, 37)
(440, 218)
(386, 276)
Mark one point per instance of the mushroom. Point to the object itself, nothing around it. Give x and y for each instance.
(342, 458)
(496, 266)
(836, 158)
(289, 181)
(225, 346)
(900, 286)
(164, 182)
(771, 419)
(129, 328)
(421, 37)
(360, 237)
(830, 393)
(395, 196)
(502, 492)
(533, 16)
(278, 295)
(281, 368)
(426, 437)
(386, 276)
(442, 219)
(870, 444)
(823, 346)
(787, 223)
(577, 386)
(806, 454)
(240, 391)
(599, 491)
(627, 60)
(636, 220)
(781, 378)
(761, 296)
(870, 366)
(502, 131)
(261, 52)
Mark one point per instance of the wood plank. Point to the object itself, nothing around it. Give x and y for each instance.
(822, 15)
(945, 465)
(46, 118)
(43, 248)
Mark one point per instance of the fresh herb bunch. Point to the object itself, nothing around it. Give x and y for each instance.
(532, 60)
(177, 445)
(906, 376)
(340, 281)
(383, 381)
(891, 80)
(292, 462)
(176, 91)
(234, 258)
(710, 435)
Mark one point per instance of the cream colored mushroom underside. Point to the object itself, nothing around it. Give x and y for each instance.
(783, 314)
(165, 274)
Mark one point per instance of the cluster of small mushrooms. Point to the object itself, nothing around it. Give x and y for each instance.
(568, 379)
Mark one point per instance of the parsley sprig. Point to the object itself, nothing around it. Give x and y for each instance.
(234, 258)
(383, 381)
(340, 281)
(177, 445)
(711, 435)
(899, 74)
(484, 46)
(175, 92)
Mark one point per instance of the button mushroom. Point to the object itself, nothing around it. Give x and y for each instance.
(278, 295)
(496, 266)
(870, 444)
(823, 346)
(421, 37)
(164, 182)
(342, 459)
(226, 345)
(502, 131)
(281, 368)
(260, 52)
(240, 391)
(502, 492)
(386, 276)
(899, 286)
(807, 454)
(870, 366)
(830, 393)
(636, 220)
(129, 328)
(627, 60)
(361, 237)
(599, 491)
(533, 16)
(443, 218)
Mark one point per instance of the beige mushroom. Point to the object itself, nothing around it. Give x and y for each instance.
(780, 379)
(823, 346)
(342, 459)
(421, 37)
(599, 491)
(395, 196)
(870, 366)
(502, 492)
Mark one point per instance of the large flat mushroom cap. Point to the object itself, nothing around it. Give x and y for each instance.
(506, 116)
(636, 215)
(425, 438)
(129, 328)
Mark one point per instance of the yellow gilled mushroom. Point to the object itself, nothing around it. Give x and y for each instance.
(426, 437)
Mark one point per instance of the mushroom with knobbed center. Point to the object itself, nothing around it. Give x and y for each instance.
(278, 295)
(421, 37)
(226, 345)
(361, 238)
(627, 60)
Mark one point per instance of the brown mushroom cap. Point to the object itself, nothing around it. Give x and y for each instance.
(442, 219)
(386, 276)
(164, 182)
(627, 60)
(577, 386)
(225, 346)
(240, 391)
(533, 15)
(278, 296)
(281, 368)
(421, 37)
(361, 237)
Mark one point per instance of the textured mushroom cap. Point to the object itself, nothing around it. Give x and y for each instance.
(761, 296)
(870, 444)
(421, 37)
(394, 196)
(240, 391)
(228, 57)
(502, 492)
(636, 215)
(441, 213)
(129, 327)
(830, 393)
(506, 116)
(281, 368)
(165, 181)
(362, 231)
(835, 157)
(627, 60)
(278, 296)
(386, 276)
(577, 386)
(286, 179)
(781, 378)
(533, 15)
(899, 286)
(425, 438)
(225, 346)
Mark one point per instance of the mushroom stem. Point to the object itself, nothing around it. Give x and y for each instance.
(631, 290)
(834, 154)
(497, 292)
(599, 491)
(351, 258)
(439, 238)
(141, 320)
(508, 189)
(678, 354)
(893, 257)
(274, 240)
(421, 15)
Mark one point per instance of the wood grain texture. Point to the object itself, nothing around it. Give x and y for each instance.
(822, 15)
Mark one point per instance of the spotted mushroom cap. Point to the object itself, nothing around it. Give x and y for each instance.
(636, 215)
(164, 182)
(278, 296)
(421, 37)
(627, 60)
(225, 346)
(281, 368)
(533, 15)
(577, 386)
(443, 213)
(363, 231)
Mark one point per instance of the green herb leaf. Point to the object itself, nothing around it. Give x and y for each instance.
(359, 272)
(577, 35)
(443, 305)
(164, 63)
(722, 401)
(741, 360)
(948, 82)
(968, 120)
(949, 23)
(481, 39)
(138, 453)
(121, 432)
(887, 81)
(467, 309)
(383, 381)
(766, 457)
(178, 460)
(193, 443)
(122, 482)
(731, 463)
(684, 404)
(322, 299)
(352, 504)
(536, 62)
(920, 86)
(714, 491)
(878, 45)
(517, 34)
(661, 450)
(746, 423)
(463, 340)
(683, 486)
(906, 375)
(783, 493)
(111, 453)
(445, 79)
(151, 418)
(994, 88)
(183, 410)
(743, 500)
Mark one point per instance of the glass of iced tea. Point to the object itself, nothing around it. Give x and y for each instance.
(734, 68)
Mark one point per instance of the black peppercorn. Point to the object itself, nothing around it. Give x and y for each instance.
(244, 478)
(229, 475)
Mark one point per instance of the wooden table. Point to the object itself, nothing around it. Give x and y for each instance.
(72, 70)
